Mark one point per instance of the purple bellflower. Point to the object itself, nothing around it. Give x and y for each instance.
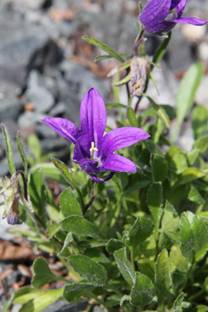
(94, 149)
(160, 16)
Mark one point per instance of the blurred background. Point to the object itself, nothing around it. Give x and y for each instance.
(45, 67)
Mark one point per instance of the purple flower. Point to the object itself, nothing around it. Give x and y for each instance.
(95, 150)
(162, 15)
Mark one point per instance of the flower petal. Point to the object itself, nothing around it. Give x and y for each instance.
(122, 137)
(191, 20)
(93, 116)
(119, 163)
(63, 127)
(154, 14)
(82, 148)
(179, 6)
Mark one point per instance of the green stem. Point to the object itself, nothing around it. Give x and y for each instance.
(93, 196)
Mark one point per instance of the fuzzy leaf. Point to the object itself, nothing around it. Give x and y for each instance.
(9, 150)
(36, 300)
(143, 290)
(89, 270)
(124, 265)
(80, 226)
(42, 274)
(200, 121)
(163, 277)
(21, 151)
(73, 292)
(69, 204)
(141, 230)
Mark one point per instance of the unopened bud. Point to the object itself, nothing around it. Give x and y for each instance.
(139, 72)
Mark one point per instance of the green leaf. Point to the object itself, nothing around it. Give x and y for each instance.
(69, 204)
(80, 226)
(189, 175)
(186, 235)
(36, 300)
(105, 47)
(123, 81)
(103, 57)
(68, 240)
(35, 147)
(177, 159)
(159, 168)
(132, 117)
(37, 191)
(113, 245)
(115, 105)
(170, 223)
(73, 292)
(89, 270)
(65, 171)
(200, 234)
(201, 144)
(21, 151)
(163, 279)
(193, 235)
(155, 195)
(143, 291)
(186, 94)
(155, 200)
(42, 274)
(53, 228)
(200, 121)
(124, 265)
(9, 150)
(49, 171)
(178, 260)
(142, 228)
(195, 197)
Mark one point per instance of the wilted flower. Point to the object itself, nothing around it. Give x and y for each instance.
(13, 215)
(9, 199)
(162, 15)
(95, 150)
(138, 72)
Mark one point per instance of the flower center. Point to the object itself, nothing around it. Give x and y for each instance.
(172, 15)
(93, 151)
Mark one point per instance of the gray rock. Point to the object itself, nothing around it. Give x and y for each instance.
(10, 106)
(28, 120)
(78, 81)
(202, 94)
(19, 40)
(180, 56)
(40, 97)
(58, 110)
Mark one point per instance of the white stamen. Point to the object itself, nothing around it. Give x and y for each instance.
(93, 150)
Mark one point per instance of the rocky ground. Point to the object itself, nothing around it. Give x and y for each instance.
(45, 67)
